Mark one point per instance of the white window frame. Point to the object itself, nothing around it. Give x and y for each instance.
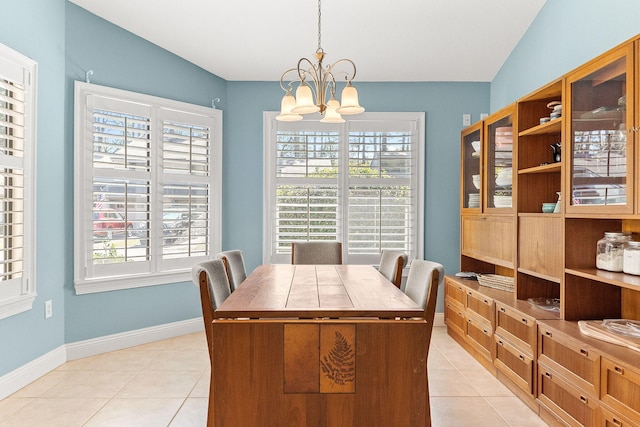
(17, 295)
(155, 270)
(270, 127)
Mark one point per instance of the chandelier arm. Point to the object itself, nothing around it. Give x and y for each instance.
(282, 79)
(332, 66)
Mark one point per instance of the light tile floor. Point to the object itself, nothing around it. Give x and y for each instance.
(166, 383)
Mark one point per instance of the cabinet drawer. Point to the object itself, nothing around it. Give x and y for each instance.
(514, 363)
(517, 327)
(454, 317)
(575, 407)
(579, 363)
(480, 335)
(454, 291)
(610, 419)
(480, 304)
(620, 387)
(488, 238)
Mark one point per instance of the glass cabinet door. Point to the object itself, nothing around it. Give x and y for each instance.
(499, 177)
(601, 169)
(471, 167)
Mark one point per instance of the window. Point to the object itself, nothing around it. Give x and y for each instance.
(359, 182)
(147, 196)
(17, 181)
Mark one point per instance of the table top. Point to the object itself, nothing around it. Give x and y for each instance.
(312, 291)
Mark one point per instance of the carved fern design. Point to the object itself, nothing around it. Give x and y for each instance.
(339, 364)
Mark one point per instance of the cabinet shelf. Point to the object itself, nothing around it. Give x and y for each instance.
(621, 280)
(550, 168)
(554, 126)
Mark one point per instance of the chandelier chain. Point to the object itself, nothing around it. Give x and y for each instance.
(319, 25)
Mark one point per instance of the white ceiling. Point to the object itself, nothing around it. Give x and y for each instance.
(389, 40)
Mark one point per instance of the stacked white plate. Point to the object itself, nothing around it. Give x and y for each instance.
(476, 181)
(474, 200)
(502, 201)
(505, 177)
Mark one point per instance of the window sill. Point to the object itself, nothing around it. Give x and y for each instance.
(93, 286)
(17, 305)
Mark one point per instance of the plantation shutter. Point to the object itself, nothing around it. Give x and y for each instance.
(17, 182)
(307, 200)
(382, 180)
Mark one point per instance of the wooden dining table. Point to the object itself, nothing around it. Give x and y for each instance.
(318, 346)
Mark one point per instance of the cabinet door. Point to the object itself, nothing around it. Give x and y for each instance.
(498, 179)
(612, 419)
(600, 97)
(620, 387)
(489, 238)
(574, 406)
(471, 168)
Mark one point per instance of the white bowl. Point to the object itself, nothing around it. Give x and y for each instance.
(475, 145)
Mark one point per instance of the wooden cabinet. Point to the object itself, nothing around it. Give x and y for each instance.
(594, 118)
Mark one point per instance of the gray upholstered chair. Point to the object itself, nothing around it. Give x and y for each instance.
(391, 265)
(425, 277)
(234, 263)
(316, 253)
(211, 277)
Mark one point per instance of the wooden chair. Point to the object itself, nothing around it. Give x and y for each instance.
(422, 286)
(234, 264)
(211, 277)
(316, 253)
(391, 265)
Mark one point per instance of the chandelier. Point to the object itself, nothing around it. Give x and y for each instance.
(319, 80)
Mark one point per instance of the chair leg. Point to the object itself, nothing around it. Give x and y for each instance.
(428, 411)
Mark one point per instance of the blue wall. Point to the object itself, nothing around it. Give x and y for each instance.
(564, 35)
(35, 28)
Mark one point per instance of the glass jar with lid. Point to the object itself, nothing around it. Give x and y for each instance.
(631, 263)
(610, 251)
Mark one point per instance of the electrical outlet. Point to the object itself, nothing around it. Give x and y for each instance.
(48, 309)
(466, 119)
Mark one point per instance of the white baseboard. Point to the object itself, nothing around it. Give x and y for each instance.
(91, 347)
(439, 320)
(26, 374)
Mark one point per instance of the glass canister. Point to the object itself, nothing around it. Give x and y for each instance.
(631, 263)
(610, 251)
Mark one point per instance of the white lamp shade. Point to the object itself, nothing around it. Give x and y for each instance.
(330, 114)
(350, 103)
(304, 100)
(287, 103)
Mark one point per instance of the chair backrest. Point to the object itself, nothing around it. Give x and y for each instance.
(391, 265)
(234, 264)
(211, 277)
(422, 286)
(316, 253)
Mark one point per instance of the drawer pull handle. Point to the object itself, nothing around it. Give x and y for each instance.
(502, 309)
(469, 320)
(549, 334)
(584, 400)
(486, 301)
(524, 320)
(521, 357)
(619, 370)
(485, 332)
(616, 422)
(547, 374)
(584, 352)
(500, 342)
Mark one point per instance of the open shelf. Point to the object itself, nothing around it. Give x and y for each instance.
(621, 280)
(550, 168)
(554, 126)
